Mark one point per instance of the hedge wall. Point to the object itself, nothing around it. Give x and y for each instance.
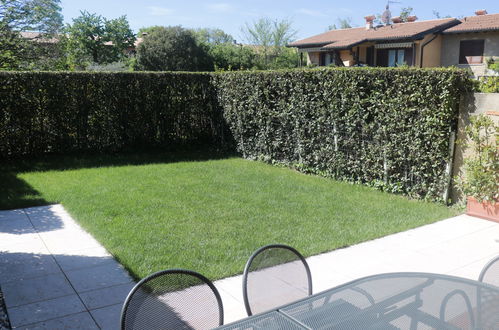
(388, 128)
(59, 112)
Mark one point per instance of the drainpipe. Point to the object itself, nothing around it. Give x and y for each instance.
(422, 50)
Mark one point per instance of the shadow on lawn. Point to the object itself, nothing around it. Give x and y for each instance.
(17, 193)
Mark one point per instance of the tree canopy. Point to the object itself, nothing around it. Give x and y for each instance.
(44, 16)
(213, 36)
(343, 23)
(94, 39)
(31, 15)
(172, 49)
(405, 13)
(271, 38)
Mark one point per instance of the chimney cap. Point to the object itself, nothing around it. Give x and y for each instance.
(396, 19)
(370, 18)
(412, 18)
(481, 12)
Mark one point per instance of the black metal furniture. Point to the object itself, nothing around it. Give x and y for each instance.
(388, 301)
(490, 273)
(275, 274)
(489, 318)
(173, 299)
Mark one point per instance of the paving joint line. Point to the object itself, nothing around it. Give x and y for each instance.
(67, 279)
(54, 318)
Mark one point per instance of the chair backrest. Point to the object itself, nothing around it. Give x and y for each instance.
(274, 275)
(173, 299)
(490, 273)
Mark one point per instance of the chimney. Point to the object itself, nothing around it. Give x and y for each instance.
(396, 20)
(369, 21)
(481, 12)
(412, 18)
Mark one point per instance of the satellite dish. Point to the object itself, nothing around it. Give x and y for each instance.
(387, 15)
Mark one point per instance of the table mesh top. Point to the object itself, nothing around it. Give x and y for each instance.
(273, 320)
(392, 301)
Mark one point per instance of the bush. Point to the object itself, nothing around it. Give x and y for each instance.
(488, 84)
(62, 112)
(481, 171)
(387, 128)
(172, 49)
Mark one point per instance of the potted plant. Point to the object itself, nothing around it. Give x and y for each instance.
(480, 180)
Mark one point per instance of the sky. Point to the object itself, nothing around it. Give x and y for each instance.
(309, 17)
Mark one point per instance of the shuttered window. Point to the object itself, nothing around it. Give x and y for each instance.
(471, 52)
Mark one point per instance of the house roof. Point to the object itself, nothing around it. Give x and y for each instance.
(481, 23)
(39, 37)
(345, 38)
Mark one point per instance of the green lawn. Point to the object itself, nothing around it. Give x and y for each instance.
(208, 215)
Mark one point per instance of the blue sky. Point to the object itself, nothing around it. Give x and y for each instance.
(309, 17)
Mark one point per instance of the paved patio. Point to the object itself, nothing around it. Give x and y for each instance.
(54, 275)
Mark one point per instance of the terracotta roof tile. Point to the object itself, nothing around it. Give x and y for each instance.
(347, 37)
(480, 23)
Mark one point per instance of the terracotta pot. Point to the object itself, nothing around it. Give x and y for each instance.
(484, 210)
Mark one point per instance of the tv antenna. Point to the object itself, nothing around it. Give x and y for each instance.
(387, 14)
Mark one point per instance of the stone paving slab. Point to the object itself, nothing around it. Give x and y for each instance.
(56, 276)
(459, 246)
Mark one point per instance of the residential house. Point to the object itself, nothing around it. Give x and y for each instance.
(470, 43)
(441, 42)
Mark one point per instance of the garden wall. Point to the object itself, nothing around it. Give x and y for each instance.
(388, 128)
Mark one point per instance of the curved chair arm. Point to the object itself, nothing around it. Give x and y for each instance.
(167, 272)
(246, 271)
(365, 294)
(487, 267)
(467, 301)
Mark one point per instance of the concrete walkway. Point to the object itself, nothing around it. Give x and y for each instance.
(54, 275)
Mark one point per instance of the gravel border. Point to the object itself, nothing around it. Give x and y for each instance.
(4, 318)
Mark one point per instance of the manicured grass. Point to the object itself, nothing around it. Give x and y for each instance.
(210, 215)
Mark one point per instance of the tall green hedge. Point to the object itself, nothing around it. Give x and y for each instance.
(383, 127)
(44, 112)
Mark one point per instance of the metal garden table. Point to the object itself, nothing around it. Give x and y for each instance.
(389, 301)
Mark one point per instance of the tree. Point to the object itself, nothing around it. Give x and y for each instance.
(212, 36)
(17, 52)
(146, 30)
(31, 15)
(405, 13)
(271, 36)
(172, 49)
(93, 38)
(229, 56)
(437, 15)
(343, 23)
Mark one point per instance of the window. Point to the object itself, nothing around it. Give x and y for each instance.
(396, 57)
(471, 52)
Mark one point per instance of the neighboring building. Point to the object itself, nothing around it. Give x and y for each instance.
(39, 37)
(471, 43)
(441, 42)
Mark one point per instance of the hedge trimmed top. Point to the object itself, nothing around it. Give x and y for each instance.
(383, 127)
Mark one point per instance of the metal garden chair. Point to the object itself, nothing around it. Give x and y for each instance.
(488, 317)
(490, 273)
(275, 275)
(173, 299)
